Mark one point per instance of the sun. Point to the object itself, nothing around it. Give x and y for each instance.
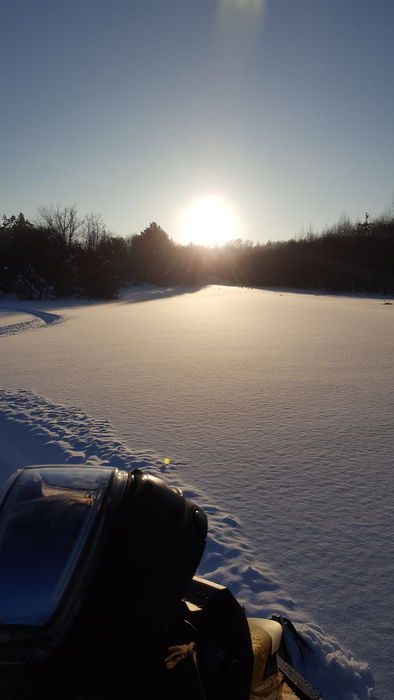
(209, 221)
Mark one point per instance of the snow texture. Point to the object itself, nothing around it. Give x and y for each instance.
(275, 412)
(12, 321)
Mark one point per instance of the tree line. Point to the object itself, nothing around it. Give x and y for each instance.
(61, 254)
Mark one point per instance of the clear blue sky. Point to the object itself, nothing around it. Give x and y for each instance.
(134, 108)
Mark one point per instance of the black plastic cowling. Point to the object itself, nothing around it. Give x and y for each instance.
(149, 561)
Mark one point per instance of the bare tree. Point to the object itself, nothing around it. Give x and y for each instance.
(63, 221)
(93, 230)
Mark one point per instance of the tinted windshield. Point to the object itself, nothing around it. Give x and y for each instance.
(44, 522)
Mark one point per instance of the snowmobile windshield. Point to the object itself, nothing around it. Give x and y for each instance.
(45, 520)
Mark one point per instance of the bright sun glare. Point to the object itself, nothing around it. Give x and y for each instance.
(209, 221)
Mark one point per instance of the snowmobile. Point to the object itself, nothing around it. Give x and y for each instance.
(99, 599)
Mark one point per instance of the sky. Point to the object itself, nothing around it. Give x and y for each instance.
(138, 110)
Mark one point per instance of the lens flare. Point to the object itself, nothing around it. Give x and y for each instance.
(238, 7)
(239, 25)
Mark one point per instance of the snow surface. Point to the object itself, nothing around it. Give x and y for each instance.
(275, 410)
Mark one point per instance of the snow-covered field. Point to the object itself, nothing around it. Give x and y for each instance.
(276, 412)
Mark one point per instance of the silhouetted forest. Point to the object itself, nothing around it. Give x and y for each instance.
(62, 255)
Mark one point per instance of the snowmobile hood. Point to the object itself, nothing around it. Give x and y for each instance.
(72, 538)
